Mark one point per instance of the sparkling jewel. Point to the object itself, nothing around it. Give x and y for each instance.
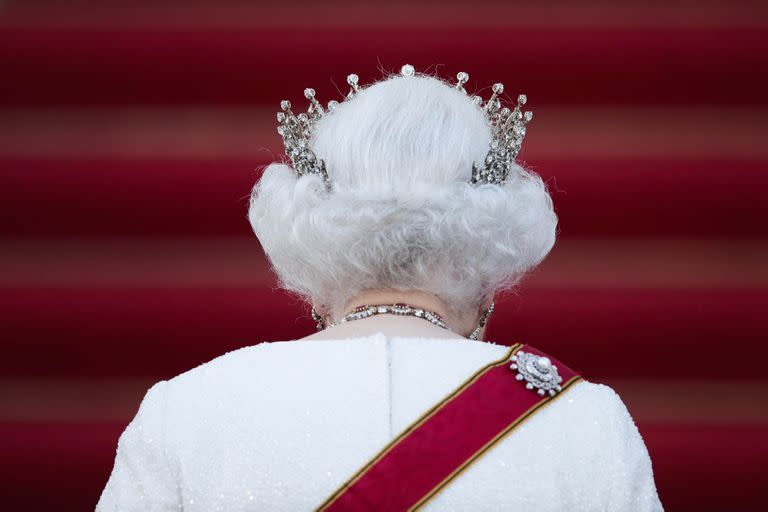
(461, 79)
(538, 372)
(508, 129)
(397, 309)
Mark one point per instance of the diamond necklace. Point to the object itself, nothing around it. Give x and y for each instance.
(398, 308)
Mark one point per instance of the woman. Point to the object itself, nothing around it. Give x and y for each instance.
(401, 215)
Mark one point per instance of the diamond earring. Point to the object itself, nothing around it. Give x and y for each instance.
(483, 320)
(320, 323)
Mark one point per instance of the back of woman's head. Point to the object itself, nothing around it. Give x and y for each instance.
(401, 212)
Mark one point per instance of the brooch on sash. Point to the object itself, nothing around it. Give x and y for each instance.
(538, 372)
(453, 434)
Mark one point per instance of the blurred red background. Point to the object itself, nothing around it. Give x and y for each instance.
(130, 135)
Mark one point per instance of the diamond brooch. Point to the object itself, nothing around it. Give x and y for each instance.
(538, 372)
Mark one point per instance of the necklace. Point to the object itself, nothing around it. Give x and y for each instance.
(398, 308)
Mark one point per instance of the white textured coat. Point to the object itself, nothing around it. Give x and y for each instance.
(280, 426)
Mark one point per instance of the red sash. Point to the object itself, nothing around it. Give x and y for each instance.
(446, 439)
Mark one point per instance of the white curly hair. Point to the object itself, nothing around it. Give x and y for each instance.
(401, 213)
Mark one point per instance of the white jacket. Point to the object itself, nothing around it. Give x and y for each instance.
(279, 426)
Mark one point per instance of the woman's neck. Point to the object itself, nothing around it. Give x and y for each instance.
(458, 325)
(415, 298)
(390, 325)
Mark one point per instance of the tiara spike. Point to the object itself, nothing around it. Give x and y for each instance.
(509, 129)
(352, 80)
(296, 133)
(315, 107)
(461, 79)
(492, 103)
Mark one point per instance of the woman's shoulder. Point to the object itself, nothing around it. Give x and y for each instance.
(592, 410)
(265, 365)
(587, 406)
(237, 361)
(246, 355)
(596, 405)
(586, 399)
(594, 417)
(596, 425)
(598, 396)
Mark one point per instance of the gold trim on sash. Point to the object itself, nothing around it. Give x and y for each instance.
(482, 451)
(431, 412)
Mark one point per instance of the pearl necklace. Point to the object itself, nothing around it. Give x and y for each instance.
(396, 309)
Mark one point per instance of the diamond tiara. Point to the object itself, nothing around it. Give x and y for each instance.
(508, 128)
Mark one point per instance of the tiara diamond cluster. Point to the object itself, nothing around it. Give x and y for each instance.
(508, 128)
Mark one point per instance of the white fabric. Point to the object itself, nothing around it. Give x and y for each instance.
(279, 426)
